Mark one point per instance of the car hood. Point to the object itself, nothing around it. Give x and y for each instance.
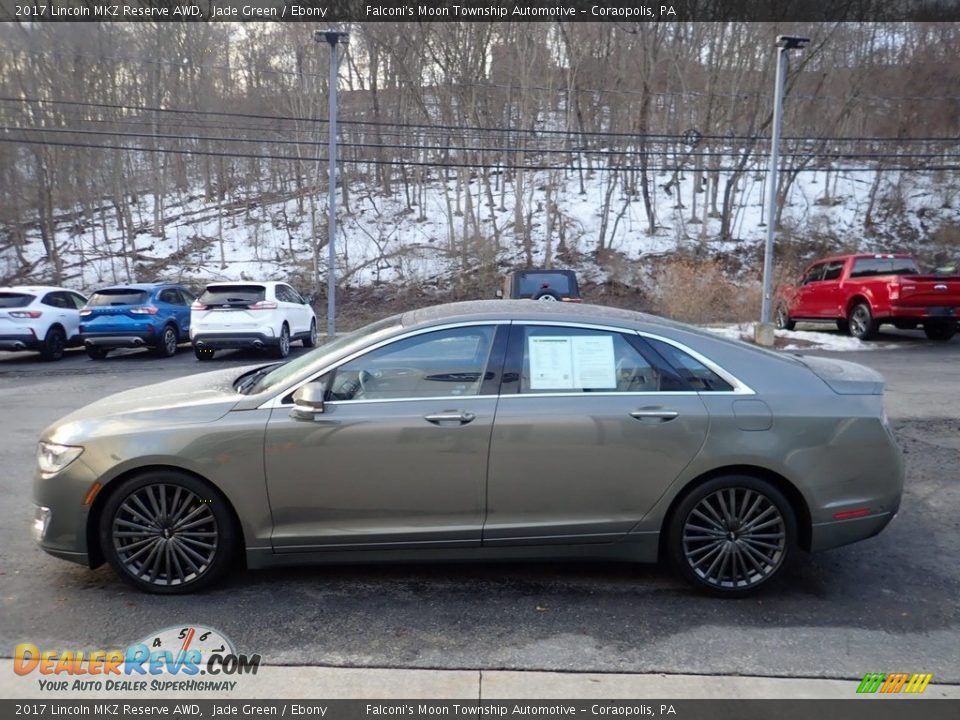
(199, 398)
(843, 377)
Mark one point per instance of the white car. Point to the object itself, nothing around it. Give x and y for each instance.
(39, 317)
(256, 315)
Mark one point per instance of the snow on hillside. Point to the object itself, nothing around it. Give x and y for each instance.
(381, 240)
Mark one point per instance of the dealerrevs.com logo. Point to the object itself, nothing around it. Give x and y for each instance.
(176, 659)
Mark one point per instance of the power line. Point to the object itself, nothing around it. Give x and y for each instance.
(467, 165)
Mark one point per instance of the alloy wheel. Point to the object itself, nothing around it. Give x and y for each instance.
(734, 538)
(164, 534)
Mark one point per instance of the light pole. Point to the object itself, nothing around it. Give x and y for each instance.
(332, 37)
(785, 43)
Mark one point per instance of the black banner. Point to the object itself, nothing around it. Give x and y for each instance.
(341, 11)
(874, 708)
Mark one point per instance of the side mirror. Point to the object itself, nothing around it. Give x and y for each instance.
(309, 298)
(500, 293)
(308, 401)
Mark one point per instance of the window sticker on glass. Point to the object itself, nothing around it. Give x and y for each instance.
(551, 363)
(593, 362)
(572, 362)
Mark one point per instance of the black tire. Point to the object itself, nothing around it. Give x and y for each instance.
(282, 348)
(54, 344)
(158, 558)
(843, 326)
(167, 343)
(760, 557)
(782, 318)
(96, 353)
(204, 354)
(311, 339)
(546, 295)
(940, 331)
(861, 322)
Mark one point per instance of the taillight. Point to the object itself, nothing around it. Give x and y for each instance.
(34, 314)
(263, 305)
(145, 310)
(894, 291)
(850, 514)
(197, 305)
(86, 311)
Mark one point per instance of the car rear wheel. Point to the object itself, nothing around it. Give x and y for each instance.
(940, 331)
(167, 532)
(53, 344)
(96, 353)
(283, 344)
(782, 319)
(311, 339)
(732, 535)
(862, 324)
(203, 353)
(167, 345)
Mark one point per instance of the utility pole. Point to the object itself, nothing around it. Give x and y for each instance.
(785, 43)
(332, 37)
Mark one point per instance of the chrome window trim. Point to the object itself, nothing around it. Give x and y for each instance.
(276, 400)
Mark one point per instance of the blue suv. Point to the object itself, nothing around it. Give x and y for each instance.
(155, 315)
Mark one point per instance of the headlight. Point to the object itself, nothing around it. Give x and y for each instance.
(53, 458)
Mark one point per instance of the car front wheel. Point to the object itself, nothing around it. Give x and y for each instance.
(732, 535)
(782, 319)
(311, 339)
(167, 346)
(167, 532)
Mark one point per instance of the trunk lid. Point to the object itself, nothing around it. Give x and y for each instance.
(844, 377)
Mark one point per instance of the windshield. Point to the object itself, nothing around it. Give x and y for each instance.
(117, 297)
(14, 300)
(531, 283)
(289, 370)
(868, 267)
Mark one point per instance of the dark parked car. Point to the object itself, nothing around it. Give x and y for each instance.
(488, 430)
(542, 285)
(154, 315)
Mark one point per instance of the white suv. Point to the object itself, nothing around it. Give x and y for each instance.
(250, 315)
(40, 318)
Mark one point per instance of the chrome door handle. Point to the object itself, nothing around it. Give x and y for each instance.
(662, 415)
(450, 416)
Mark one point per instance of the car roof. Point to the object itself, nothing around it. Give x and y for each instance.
(532, 310)
(36, 289)
(860, 256)
(137, 286)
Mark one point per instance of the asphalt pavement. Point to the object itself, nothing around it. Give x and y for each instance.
(886, 604)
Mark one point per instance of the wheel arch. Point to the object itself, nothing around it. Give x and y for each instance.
(95, 552)
(856, 300)
(797, 502)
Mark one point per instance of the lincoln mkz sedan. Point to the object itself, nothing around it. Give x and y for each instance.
(488, 430)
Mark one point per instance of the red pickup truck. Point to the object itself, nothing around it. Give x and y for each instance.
(861, 292)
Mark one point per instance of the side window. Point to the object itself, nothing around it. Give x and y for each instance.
(437, 364)
(186, 296)
(78, 300)
(833, 270)
(55, 299)
(694, 372)
(291, 295)
(813, 274)
(563, 359)
(170, 296)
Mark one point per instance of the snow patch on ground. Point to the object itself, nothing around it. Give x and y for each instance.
(803, 339)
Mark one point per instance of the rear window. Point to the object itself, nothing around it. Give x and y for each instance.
(117, 297)
(15, 300)
(867, 267)
(532, 283)
(233, 295)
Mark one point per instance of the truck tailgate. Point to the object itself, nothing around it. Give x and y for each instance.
(929, 291)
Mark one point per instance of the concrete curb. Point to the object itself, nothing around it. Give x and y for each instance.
(333, 683)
